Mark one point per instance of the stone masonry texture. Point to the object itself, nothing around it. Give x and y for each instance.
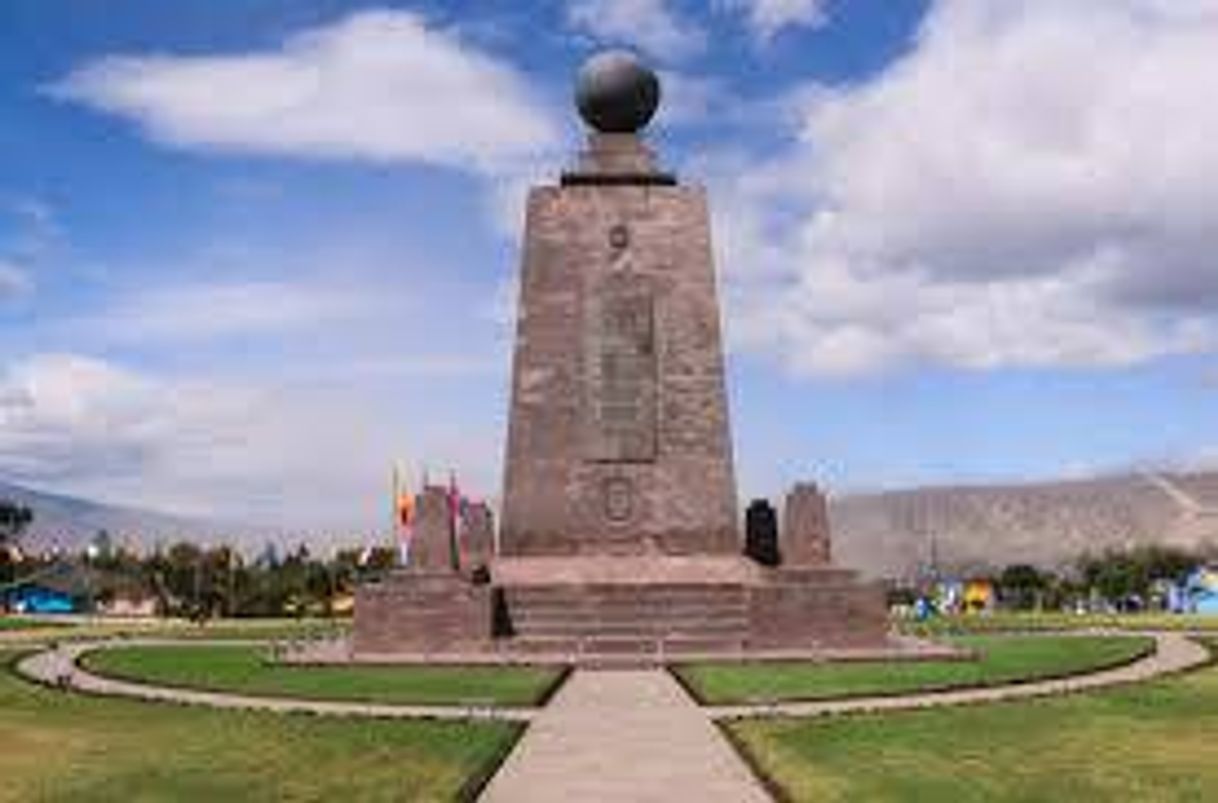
(618, 437)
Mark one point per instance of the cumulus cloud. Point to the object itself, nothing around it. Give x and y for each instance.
(766, 18)
(14, 279)
(377, 85)
(192, 312)
(1034, 184)
(305, 456)
(650, 25)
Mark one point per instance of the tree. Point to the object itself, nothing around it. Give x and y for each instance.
(14, 519)
(1021, 585)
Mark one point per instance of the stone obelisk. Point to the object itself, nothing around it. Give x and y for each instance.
(618, 438)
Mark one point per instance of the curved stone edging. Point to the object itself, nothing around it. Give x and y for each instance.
(58, 666)
(1174, 653)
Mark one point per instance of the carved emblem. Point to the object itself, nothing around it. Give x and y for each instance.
(619, 499)
(619, 237)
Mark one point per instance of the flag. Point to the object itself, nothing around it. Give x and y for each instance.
(403, 515)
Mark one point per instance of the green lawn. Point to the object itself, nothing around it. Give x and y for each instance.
(66, 747)
(1153, 742)
(1003, 659)
(244, 668)
(1015, 621)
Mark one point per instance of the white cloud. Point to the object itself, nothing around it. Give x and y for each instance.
(649, 25)
(377, 85)
(14, 279)
(194, 312)
(312, 457)
(766, 18)
(1035, 184)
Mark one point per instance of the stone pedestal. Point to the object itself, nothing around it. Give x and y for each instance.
(805, 528)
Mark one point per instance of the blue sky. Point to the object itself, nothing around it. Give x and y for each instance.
(251, 252)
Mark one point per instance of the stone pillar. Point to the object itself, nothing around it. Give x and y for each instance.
(805, 527)
(478, 534)
(618, 438)
(431, 542)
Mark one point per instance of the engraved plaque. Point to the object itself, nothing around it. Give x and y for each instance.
(619, 499)
(622, 372)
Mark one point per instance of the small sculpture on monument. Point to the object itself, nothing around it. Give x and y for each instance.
(761, 533)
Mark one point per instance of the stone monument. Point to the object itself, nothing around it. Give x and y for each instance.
(619, 532)
(618, 437)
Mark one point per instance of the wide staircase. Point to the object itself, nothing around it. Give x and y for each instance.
(651, 620)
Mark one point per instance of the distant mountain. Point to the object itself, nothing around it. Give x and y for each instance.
(892, 534)
(69, 523)
(965, 529)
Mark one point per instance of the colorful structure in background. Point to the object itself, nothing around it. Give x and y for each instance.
(953, 596)
(979, 596)
(40, 598)
(1198, 593)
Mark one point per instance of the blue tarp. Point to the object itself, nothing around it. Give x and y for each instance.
(37, 599)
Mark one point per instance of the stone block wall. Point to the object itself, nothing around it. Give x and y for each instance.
(416, 611)
(816, 610)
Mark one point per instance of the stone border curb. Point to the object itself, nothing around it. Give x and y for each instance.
(1173, 654)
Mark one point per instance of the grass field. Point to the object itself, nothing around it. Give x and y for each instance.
(1015, 621)
(1153, 742)
(67, 747)
(243, 668)
(1003, 659)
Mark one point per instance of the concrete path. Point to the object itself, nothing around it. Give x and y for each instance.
(632, 735)
(1173, 653)
(58, 666)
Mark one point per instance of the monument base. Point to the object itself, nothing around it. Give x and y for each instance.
(422, 611)
(645, 606)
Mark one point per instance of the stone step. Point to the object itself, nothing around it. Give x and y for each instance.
(628, 611)
(652, 649)
(690, 645)
(663, 600)
(687, 593)
(589, 628)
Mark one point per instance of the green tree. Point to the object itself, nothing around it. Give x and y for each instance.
(14, 520)
(1021, 586)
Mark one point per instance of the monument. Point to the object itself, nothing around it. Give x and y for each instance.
(619, 530)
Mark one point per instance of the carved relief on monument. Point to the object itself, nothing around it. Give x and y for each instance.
(619, 499)
(621, 367)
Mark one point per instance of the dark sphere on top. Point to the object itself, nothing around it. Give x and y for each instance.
(616, 93)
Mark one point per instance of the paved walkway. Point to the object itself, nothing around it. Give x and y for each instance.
(1173, 653)
(623, 735)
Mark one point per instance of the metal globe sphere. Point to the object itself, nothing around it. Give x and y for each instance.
(616, 93)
